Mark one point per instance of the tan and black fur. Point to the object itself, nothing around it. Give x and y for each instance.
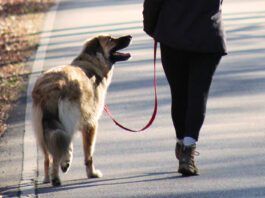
(70, 98)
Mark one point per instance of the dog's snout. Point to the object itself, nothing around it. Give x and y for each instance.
(128, 37)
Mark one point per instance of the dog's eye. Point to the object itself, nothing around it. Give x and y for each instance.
(110, 40)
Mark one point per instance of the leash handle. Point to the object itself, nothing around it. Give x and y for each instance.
(150, 122)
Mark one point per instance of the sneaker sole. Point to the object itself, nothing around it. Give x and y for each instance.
(186, 172)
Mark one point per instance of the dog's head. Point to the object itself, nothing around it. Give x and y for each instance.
(107, 47)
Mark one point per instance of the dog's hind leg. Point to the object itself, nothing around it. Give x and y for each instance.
(53, 137)
(46, 167)
(55, 172)
(89, 140)
(57, 143)
(37, 117)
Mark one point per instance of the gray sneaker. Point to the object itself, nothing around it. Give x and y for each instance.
(187, 165)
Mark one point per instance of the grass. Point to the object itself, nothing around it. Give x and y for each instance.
(20, 23)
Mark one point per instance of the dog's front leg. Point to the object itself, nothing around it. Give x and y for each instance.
(89, 140)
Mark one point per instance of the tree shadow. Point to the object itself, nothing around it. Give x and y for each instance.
(234, 78)
(10, 191)
(85, 183)
(65, 5)
(231, 193)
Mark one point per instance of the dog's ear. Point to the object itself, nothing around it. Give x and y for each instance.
(93, 47)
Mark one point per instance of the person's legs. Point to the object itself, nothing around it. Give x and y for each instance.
(201, 71)
(176, 69)
(202, 68)
(189, 76)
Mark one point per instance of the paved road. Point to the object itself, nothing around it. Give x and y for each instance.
(143, 165)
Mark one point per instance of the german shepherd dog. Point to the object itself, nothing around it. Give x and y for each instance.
(70, 98)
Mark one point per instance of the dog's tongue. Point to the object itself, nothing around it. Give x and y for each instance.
(126, 55)
(122, 54)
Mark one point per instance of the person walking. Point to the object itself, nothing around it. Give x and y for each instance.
(192, 42)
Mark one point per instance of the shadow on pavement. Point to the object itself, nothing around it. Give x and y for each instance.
(246, 192)
(94, 3)
(88, 183)
(236, 79)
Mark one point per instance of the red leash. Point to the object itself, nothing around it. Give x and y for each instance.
(150, 122)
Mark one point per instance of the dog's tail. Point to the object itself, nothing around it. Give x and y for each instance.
(49, 132)
(37, 115)
(57, 141)
(56, 138)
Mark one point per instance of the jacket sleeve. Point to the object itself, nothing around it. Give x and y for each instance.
(150, 14)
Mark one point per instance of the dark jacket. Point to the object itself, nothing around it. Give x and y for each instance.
(190, 25)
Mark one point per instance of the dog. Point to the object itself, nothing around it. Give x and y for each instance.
(70, 98)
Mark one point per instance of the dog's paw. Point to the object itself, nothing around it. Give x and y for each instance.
(56, 181)
(95, 174)
(65, 167)
(46, 180)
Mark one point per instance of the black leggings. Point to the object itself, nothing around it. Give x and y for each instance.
(189, 75)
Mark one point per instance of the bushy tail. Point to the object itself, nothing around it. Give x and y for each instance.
(56, 138)
(37, 116)
(49, 132)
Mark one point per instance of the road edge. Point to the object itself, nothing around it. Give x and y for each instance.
(29, 166)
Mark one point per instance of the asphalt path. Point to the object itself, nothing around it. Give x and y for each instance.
(231, 145)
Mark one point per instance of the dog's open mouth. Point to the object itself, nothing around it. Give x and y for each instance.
(121, 43)
(121, 56)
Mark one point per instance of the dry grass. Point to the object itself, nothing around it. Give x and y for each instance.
(20, 22)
